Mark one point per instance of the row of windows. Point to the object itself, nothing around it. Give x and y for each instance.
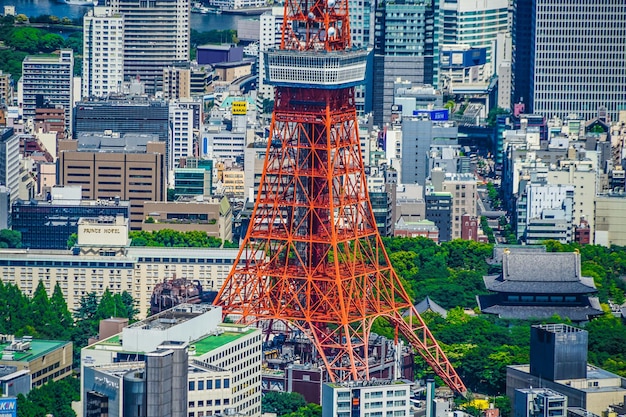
(209, 384)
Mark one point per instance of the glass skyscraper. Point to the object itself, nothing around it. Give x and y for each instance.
(577, 60)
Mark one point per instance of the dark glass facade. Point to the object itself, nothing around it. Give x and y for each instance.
(122, 116)
(48, 226)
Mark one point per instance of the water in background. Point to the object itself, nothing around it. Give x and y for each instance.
(199, 22)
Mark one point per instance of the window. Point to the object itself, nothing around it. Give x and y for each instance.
(200, 385)
(192, 385)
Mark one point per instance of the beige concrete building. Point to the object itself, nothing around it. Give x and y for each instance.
(233, 182)
(230, 71)
(176, 83)
(104, 260)
(46, 360)
(134, 171)
(213, 216)
(463, 190)
(610, 220)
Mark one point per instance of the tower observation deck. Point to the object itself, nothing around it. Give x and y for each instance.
(312, 261)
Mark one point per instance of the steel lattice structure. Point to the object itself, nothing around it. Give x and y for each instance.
(312, 257)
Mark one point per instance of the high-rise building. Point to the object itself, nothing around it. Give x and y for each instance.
(418, 134)
(6, 89)
(404, 47)
(475, 23)
(10, 162)
(576, 61)
(522, 22)
(103, 52)
(156, 35)
(181, 124)
(271, 22)
(130, 168)
(48, 80)
(176, 83)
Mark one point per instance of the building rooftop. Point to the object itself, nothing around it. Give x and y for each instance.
(37, 349)
(212, 342)
(130, 142)
(371, 383)
(593, 374)
(540, 272)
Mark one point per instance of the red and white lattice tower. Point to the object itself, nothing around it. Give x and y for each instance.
(312, 257)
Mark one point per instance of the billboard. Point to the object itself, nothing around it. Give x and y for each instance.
(439, 115)
(240, 107)
(8, 407)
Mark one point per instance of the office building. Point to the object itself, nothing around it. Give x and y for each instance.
(124, 115)
(223, 361)
(439, 211)
(103, 52)
(45, 360)
(404, 47)
(521, 40)
(418, 133)
(576, 63)
(539, 402)
(462, 188)
(363, 398)
(103, 258)
(10, 162)
(49, 224)
(476, 24)
(14, 382)
(558, 362)
(192, 182)
(48, 80)
(181, 135)
(130, 168)
(156, 35)
(610, 219)
(212, 216)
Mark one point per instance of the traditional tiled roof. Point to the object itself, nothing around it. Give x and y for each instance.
(540, 273)
(489, 304)
(428, 304)
(498, 251)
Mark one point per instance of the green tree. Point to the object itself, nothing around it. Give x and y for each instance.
(62, 323)
(42, 318)
(282, 403)
(309, 410)
(10, 238)
(25, 39)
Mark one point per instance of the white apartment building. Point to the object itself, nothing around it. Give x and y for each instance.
(367, 399)
(156, 35)
(271, 32)
(103, 52)
(181, 133)
(50, 77)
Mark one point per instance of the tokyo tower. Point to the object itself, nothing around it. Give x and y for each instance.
(312, 257)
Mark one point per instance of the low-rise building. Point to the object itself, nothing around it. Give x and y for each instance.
(45, 360)
(213, 216)
(367, 398)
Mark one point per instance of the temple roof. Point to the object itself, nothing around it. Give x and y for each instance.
(540, 273)
(428, 304)
(489, 304)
